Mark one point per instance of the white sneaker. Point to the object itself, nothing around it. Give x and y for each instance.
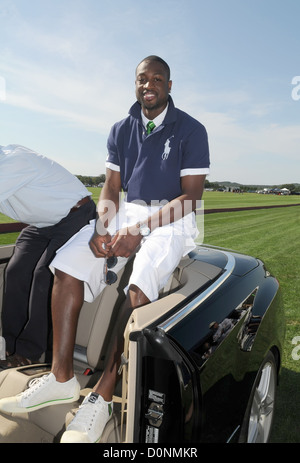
(89, 422)
(41, 393)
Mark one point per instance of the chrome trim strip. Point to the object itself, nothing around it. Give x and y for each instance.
(233, 434)
(176, 318)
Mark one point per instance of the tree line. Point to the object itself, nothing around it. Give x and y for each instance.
(92, 181)
(293, 187)
(100, 179)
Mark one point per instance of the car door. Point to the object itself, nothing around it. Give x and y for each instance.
(193, 379)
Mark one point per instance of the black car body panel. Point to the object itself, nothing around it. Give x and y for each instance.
(202, 377)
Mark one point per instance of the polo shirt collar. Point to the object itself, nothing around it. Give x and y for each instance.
(158, 120)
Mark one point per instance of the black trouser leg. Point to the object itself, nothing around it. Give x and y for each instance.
(26, 308)
(18, 279)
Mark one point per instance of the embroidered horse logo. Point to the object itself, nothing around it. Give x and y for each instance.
(167, 149)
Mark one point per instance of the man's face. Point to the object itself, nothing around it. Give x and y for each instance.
(152, 87)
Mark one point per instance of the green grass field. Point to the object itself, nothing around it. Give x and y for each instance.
(218, 200)
(272, 235)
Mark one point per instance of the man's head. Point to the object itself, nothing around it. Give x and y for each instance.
(153, 85)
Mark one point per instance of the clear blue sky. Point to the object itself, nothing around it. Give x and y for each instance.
(67, 74)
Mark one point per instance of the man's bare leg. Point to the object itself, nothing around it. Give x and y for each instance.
(106, 385)
(67, 300)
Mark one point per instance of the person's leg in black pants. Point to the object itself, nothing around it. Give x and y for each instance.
(26, 308)
(18, 279)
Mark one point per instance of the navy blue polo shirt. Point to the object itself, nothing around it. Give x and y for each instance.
(151, 166)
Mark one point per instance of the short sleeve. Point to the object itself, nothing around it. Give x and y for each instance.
(112, 160)
(195, 160)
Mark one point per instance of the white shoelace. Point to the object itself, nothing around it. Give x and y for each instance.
(35, 384)
(87, 413)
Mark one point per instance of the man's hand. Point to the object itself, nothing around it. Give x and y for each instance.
(101, 245)
(125, 241)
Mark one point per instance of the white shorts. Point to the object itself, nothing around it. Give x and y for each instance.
(155, 261)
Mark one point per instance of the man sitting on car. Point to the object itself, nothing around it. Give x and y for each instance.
(162, 172)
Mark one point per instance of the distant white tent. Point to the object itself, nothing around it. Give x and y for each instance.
(284, 191)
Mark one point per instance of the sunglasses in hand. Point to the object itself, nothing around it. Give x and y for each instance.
(110, 277)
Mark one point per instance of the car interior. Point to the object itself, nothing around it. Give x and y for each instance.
(93, 334)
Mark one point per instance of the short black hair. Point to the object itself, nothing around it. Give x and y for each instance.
(160, 60)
